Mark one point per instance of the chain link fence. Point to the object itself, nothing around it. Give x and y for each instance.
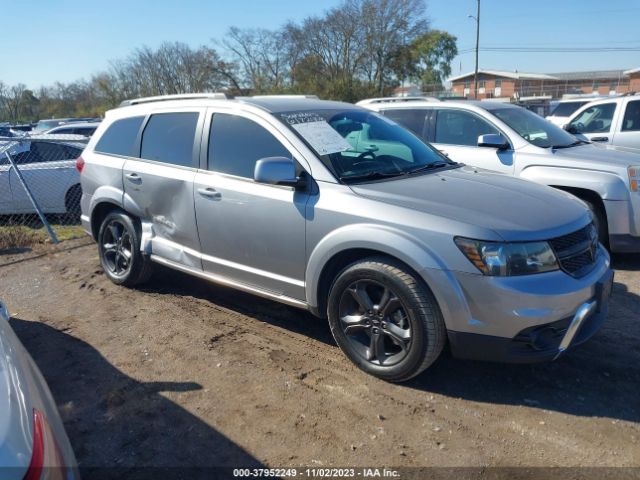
(39, 191)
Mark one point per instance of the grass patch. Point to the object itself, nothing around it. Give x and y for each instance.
(19, 236)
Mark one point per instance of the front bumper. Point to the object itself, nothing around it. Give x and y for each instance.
(524, 319)
(542, 342)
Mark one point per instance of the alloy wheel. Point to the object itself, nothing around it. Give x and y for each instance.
(375, 322)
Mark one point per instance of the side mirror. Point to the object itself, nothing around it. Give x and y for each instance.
(276, 171)
(493, 140)
(570, 128)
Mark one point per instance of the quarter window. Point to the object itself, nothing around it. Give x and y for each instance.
(455, 127)
(631, 122)
(169, 138)
(237, 143)
(120, 137)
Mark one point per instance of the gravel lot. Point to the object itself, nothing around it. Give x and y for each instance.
(183, 373)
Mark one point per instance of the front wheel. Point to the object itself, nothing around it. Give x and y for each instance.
(119, 248)
(385, 319)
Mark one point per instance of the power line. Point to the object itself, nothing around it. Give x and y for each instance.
(553, 49)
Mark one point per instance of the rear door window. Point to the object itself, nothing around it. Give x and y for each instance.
(120, 137)
(413, 120)
(169, 138)
(631, 122)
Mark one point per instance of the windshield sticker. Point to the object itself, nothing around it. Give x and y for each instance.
(301, 117)
(322, 138)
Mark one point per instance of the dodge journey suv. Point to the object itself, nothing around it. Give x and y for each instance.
(400, 248)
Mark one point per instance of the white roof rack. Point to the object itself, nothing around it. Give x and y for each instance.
(285, 96)
(181, 96)
(370, 101)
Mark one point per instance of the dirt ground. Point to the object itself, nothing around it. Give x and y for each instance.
(184, 373)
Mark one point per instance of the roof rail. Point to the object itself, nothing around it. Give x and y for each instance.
(286, 96)
(181, 96)
(630, 94)
(370, 101)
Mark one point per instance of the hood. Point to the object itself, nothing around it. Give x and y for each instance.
(516, 210)
(598, 156)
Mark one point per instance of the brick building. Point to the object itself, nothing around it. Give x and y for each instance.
(504, 84)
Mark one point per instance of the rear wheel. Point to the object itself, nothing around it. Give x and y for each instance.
(119, 248)
(385, 319)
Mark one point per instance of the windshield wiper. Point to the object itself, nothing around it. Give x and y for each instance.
(371, 176)
(573, 144)
(431, 166)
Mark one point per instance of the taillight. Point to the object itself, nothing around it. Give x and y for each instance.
(80, 164)
(37, 456)
(47, 462)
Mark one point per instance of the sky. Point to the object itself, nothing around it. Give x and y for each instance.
(68, 40)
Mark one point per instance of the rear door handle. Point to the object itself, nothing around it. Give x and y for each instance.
(133, 177)
(600, 139)
(209, 192)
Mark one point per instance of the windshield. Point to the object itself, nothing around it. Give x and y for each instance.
(46, 125)
(565, 109)
(358, 145)
(533, 128)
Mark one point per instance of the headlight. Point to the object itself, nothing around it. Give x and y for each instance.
(634, 176)
(506, 259)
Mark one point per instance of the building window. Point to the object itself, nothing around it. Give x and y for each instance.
(498, 82)
(466, 84)
(481, 84)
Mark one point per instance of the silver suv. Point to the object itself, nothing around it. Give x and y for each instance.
(401, 248)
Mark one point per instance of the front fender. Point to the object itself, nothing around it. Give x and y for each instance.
(608, 185)
(385, 240)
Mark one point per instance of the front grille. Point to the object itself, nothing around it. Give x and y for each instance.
(577, 251)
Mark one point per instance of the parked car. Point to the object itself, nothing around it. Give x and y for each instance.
(47, 164)
(513, 141)
(75, 128)
(401, 248)
(611, 121)
(564, 108)
(46, 125)
(33, 442)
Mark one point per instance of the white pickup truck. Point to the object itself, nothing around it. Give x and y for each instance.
(514, 141)
(611, 121)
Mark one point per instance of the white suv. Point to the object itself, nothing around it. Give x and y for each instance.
(613, 121)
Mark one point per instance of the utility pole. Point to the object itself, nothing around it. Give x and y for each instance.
(475, 78)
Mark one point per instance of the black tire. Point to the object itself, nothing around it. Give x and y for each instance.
(402, 311)
(600, 221)
(72, 203)
(119, 250)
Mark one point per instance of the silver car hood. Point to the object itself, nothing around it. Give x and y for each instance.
(599, 156)
(516, 210)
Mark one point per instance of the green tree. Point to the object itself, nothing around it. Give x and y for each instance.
(431, 56)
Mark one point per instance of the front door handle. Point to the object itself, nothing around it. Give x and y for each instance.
(133, 177)
(600, 139)
(209, 192)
